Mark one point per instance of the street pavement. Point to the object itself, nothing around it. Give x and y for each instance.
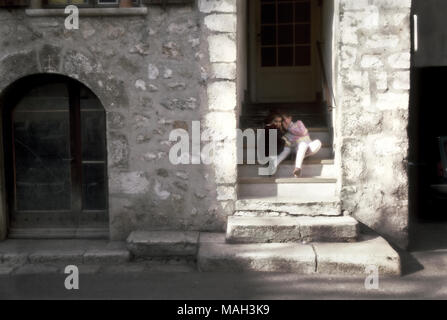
(424, 277)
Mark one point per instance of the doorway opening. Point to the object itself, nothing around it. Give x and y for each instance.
(54, 135)
(289, 47)
(289, 61)
(283, 59)
(428, 166)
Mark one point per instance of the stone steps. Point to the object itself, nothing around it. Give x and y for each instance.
(211, 252)
(294, 108)
(298, 188)
(288, 206)
(325, 153)
(258, 121)
(313, 168)
(321, 133)
(215, 255)
(291, 229)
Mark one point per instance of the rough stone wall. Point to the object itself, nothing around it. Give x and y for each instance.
(153, 74)
(372, 118)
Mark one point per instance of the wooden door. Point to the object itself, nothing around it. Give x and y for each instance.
(59, 167)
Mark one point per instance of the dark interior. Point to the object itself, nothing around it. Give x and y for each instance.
(428, 116)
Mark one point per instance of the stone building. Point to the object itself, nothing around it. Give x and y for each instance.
(101, 102)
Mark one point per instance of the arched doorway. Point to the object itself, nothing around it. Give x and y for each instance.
(56, 159)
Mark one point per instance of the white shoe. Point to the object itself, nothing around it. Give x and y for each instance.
(274, 161)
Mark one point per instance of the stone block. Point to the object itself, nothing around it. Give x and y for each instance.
(216, 256)
(221, 22)
(37, 269)
(129, 183)
(14, 257)
(222, 48)
(392, 101)
(354, 4)
(219, 126)
(371, 62)
(400, 60)
(383, 41)
(289, 206)
(354, 258)
(401, 80)
(222, 96)
(291, 229)
(226, 193)
(208, 6)
(106, 256)
(6, 270)
(392, 4)
(225, 71)
(56, 256)
(162, 243)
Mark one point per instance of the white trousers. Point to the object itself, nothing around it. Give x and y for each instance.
(303, 150)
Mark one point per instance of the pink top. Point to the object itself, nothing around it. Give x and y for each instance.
(296, 131)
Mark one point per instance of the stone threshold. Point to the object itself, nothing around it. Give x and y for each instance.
(89, 12)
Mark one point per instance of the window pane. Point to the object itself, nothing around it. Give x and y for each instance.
(268, 13)
(93, 142)
(285, 56)
(42, 150)
(93, 128)
(302, 34)
(268, 36)
(285, 34)
(94, 186)
(268, 57)
(302, 56)
(285, 13)
(302, 12)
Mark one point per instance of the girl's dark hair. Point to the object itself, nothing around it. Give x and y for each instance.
(285, 114)
(272, 115)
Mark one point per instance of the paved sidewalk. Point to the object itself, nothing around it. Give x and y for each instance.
(424, 268)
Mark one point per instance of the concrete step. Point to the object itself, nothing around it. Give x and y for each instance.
(215, 255)
(291, 229)
(326, 152)
(95, 233)
(291, 206)
(313, 130)
(293, 108)
(258, 121)
(311, 168)
(162, 243)
(323, 136)
(299, 188)
(63, 252)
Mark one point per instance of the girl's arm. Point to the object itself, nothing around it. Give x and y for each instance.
(298, 129)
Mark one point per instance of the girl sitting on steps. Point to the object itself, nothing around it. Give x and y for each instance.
(296, 137)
